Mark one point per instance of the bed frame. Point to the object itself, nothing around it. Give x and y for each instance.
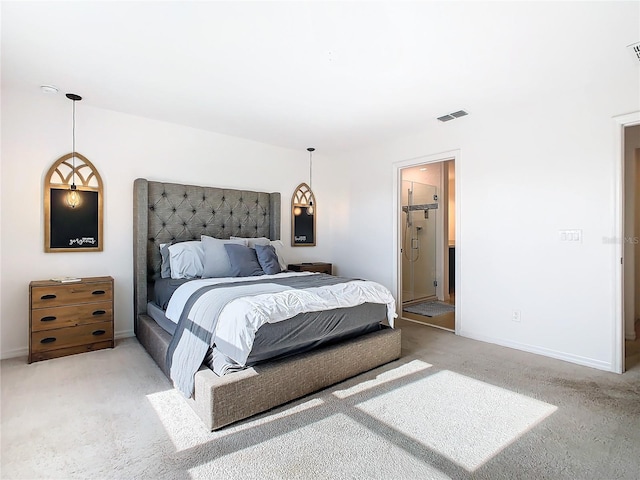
(165, 212)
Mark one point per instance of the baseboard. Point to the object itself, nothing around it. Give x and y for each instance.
(124, 334)
(567, 357)
(15, 352)
(630, 336)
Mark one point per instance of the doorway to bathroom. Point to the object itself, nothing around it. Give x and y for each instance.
(427, 243)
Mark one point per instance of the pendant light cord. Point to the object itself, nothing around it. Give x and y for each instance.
(310, 150)
(310, 170)
(74, 98)
(73, 148)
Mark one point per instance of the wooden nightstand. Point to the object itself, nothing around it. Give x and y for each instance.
(69, 318)
(311, 267)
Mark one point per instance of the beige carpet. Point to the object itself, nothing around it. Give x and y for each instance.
(450, 408)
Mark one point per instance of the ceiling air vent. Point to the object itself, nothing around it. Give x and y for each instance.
(453, 116)
(446, 118)
(634, 50)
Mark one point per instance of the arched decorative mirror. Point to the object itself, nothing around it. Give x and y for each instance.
(303, 217)
(73, 211)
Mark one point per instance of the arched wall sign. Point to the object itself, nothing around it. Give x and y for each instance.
(303, 217)
(73, 206)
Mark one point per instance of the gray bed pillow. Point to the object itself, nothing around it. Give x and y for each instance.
(268, 259)
(244, 261)
(216, 260)
(165, 267)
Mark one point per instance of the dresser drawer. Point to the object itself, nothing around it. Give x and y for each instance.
(46, 340)
(70, 316)
(69, 294)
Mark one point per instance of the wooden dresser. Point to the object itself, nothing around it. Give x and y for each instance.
(69, 318)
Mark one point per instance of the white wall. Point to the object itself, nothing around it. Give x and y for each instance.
(36, 130)
(525, 171)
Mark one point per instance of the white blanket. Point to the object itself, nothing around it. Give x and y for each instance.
(182, 294)
(243, 309)
(241, 318)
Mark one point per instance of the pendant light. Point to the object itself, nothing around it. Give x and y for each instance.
(310, 150)
(73, 197)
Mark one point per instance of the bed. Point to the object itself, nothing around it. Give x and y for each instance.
(169, 213)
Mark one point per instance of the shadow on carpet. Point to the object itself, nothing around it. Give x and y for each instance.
(430, 309)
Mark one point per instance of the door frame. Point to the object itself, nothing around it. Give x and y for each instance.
(620, 123)
(397, 220)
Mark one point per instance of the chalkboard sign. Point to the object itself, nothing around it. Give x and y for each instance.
(303, 227)
(75, 227)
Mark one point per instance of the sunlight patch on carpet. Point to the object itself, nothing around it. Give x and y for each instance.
(186, 430)
(181, 423)
(333, 447)
(463, 419)
(385, 377)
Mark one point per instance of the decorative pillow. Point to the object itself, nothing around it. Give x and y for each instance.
(165, 266)
(268, 259)
(216, 260)
(244, 261)
(279, 246)
(186, 259)
(253, 241)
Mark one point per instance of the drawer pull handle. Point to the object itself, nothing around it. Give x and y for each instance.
(47, 297)
(99, 312)
(99, 332)
(48, 340)
(47, 319)
(97, 292)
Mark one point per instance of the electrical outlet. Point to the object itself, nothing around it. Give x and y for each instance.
(515, 316)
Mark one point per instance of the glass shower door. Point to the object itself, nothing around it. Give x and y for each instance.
(419, 209)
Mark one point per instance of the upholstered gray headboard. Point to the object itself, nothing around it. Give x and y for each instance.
(172, 212)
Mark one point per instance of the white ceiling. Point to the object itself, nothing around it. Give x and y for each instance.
(334, 75)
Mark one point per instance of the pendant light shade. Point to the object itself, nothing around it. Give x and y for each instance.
(73, 197)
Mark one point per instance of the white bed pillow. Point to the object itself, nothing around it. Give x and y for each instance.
(279, 246)
(186, 259)
(253, 241)
(216, 259)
